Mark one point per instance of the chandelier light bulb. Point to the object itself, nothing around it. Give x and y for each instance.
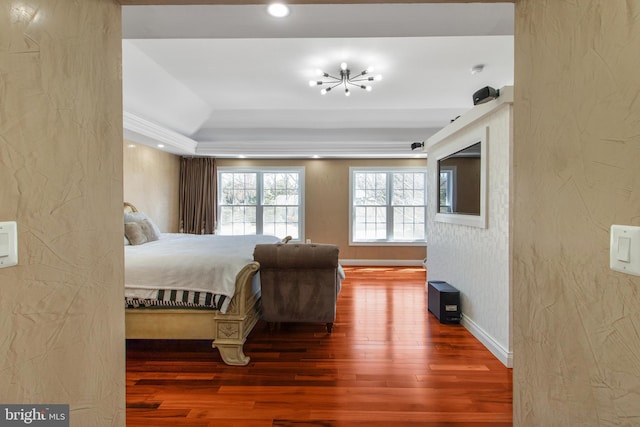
(378, 77)
(370, 70)
(319, 72)
(347, 92)
(343, 66)
(368, 88)
(313, 83)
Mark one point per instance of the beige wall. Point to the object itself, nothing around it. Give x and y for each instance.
(327, 204)
(151, 183)
(61, 309)
(577, 157)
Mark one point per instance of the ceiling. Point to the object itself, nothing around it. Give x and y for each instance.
(231, 81)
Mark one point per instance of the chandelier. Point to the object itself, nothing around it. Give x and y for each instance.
(345, 79)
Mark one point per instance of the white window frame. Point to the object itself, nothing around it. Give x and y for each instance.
(260, 171)
(389, 206)
(451, 172)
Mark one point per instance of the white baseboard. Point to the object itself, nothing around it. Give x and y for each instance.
(383, 262)
(503, 355)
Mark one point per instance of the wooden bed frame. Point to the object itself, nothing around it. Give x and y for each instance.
(228, 331)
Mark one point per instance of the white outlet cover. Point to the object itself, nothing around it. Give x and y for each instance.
(625, 244)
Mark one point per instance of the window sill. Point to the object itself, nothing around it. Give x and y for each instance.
(384, 243)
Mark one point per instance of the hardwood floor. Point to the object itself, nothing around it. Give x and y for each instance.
(388, 363)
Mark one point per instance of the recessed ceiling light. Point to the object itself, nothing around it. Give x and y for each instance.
(278, 10)
(160, 145)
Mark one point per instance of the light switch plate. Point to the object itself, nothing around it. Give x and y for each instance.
(624, 250)
(4, 244)
(8, 244)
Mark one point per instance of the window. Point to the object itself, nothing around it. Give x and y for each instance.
(388, 205)
(447, 184)
(261, 201)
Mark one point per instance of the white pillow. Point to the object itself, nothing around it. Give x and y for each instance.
(140, 216)
(139, 232)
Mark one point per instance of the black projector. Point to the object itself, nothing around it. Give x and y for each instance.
(485, 94)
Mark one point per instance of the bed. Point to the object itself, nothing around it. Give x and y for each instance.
(161, 302)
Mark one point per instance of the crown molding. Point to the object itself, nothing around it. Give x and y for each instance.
(149, 133)
(324, 149)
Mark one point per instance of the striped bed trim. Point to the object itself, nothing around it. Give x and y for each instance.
(178, 299)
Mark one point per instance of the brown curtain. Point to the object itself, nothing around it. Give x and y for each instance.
(197, 194)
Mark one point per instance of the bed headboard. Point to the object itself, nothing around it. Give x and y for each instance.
(128, 208)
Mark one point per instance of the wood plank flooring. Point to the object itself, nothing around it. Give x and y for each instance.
(388, 363)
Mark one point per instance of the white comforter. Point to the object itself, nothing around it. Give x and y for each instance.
(205, 263)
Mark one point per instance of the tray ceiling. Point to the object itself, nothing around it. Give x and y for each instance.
(228, 81)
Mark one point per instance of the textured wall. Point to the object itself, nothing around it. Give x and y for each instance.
(61, 311)
(327, 204)
(477, 260)
(576, 165)
(151, 180)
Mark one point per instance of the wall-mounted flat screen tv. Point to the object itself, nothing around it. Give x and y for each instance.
(459, 181)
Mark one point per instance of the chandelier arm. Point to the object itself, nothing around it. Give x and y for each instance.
(329, 82)
(353, 84)
(331, 87)
(361, 80)
(334, 77)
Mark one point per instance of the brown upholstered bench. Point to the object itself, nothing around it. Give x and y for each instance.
(300, 282)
